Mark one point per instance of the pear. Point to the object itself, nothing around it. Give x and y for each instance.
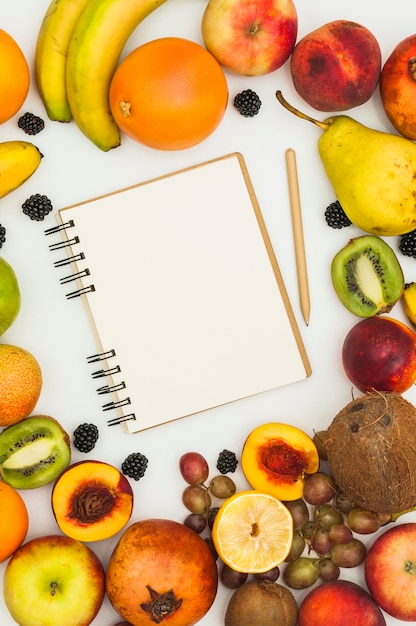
(9, 296)
(373, 173)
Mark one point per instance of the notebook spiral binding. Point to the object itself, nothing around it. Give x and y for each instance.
(95, 358)
(110, 371)
(68, 243)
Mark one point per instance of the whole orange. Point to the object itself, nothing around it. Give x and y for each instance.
(20, 384)
(14, 520)
(169, 94)
(14, 77)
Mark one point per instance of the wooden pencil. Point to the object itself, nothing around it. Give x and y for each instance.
(298, 237)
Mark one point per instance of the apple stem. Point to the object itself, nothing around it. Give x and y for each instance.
(54, 587)
(322, 125)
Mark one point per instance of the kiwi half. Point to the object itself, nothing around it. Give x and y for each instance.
(33, 452)
(367, 276)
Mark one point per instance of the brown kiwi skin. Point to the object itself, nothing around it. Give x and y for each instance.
(386, 267)
(261, 603)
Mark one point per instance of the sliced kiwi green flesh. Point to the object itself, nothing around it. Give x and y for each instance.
(33, 452)
(367, 276)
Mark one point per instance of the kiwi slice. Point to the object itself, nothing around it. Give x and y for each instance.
(33, 452)
(367, 276)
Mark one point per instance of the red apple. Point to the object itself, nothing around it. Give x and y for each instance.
(250, 37)
(337, 66)
(53, 580)
(390, 571)
(379, 353)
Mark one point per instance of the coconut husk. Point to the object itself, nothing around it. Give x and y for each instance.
(371, 449)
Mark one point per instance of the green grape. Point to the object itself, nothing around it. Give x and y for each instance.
(301, 573)
(196, 499)
(222, 486)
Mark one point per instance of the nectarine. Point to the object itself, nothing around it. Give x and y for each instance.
(337, 66)
(398, 87)
(339, 602)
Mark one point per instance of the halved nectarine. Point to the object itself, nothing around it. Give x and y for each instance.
(92, 500)
(277, 457)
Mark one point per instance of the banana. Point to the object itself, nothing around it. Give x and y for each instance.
(409, 301)
(18, 161)
(97, 42)
(50, 56)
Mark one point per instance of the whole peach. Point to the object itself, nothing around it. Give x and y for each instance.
(337, 66)
(339, 602)
(398, 87)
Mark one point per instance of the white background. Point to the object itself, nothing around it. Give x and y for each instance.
(57, 332)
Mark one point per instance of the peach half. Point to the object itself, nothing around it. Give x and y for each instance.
(92, 500)
(276, 459)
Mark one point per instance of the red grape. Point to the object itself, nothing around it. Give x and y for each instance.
(194, 468)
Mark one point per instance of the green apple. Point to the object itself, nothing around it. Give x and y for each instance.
(53, 580)
(9, 296)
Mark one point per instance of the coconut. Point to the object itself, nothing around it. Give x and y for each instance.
(371, 450)
(261, 603)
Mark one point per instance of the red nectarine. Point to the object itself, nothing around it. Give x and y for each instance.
(337, 66)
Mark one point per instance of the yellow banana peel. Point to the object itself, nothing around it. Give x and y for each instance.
(409, 301)
(50, 56)
(18, 161)
(97, 42)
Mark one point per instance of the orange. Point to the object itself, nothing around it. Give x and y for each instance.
(14, 521)
(169, 94)
(252, 532)
(14, 77)
(20, 384)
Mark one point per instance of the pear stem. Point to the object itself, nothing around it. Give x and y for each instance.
(322, 125)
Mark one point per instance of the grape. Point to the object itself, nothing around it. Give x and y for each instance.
(297, 547)
(211, 515)
(349, 554)
(326, 515)
(319, 488)
(321, 541)
(301, 573)
(222, 486)
(319, 441)
(194, 468)
(362, 521)
(308, 530)
(342, 504)
(328, 570)
(340, 533)
(272, 575)
(211, 546)
(195, 522)
(196, 499)
(299, 512)
(230, 578)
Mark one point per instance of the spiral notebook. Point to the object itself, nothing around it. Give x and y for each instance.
(184, 294)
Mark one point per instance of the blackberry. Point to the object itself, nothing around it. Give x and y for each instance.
(247, 103)
(407, 244)
(85, 437)
(134, 465)
(31, 124)
(2, 235)
(37, 207)
(335, 216)
(227, 462)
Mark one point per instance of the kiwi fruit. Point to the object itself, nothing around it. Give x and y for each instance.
(33, 452)
(367, 276)
(261, 603)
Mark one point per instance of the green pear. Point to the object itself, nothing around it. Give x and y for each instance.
(373, 173)
(9, 296)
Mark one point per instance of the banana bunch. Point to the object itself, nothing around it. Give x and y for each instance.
(77, 51)
(18, 161)
(409, 301)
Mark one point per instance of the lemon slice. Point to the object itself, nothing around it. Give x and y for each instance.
(252, 532)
